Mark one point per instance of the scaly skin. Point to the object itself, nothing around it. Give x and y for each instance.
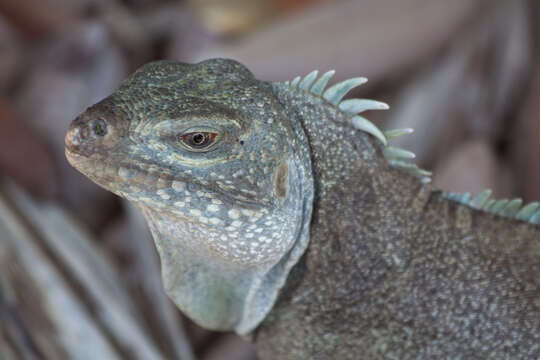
(392, 270)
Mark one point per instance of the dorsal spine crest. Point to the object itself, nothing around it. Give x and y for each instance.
(397, 157)
(510, 208)
(351, 108)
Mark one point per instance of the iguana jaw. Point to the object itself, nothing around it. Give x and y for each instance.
(118, 175)
(234, 229)
(98, 169)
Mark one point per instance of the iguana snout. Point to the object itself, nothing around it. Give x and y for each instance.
(94, 131)
(82, 136)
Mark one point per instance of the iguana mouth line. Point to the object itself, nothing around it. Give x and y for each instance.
(148, 182)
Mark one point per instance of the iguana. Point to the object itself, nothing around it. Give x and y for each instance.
(280, 213)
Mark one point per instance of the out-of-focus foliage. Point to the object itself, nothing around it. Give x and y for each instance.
(463, 73)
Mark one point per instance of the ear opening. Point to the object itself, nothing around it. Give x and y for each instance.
(281, 176)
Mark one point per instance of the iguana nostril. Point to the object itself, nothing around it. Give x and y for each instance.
(99, 127)
(83, 137)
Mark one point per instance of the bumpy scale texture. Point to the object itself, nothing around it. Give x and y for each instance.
(393, 270)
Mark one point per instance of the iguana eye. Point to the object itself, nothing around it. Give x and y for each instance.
(198, 140)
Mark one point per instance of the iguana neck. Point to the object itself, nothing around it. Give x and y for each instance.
(359, 197)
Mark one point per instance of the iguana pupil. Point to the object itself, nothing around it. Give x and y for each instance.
(198, 140)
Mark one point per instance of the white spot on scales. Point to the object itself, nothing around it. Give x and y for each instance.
(178, 186)
(124, 173)
(162, 194)
(234, 214)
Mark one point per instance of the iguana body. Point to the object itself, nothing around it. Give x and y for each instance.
(393, 269)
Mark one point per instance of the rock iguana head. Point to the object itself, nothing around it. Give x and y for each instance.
(208, 155)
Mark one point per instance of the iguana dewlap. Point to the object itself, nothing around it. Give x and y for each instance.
(238, 177)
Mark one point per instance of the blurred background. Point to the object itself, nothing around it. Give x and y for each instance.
(79, 276)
